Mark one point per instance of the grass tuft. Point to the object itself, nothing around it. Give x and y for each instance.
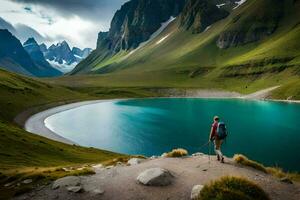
(241, 159)
(274, 171)
(232, 188)
(175, 153)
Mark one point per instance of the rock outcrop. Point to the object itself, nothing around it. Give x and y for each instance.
(197, 15)
(34, 50)
(136, 21)
(253, 26)
(67, 182)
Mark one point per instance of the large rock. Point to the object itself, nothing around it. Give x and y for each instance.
(69, 181)
(196, 192)
(155, 177)
(135, 161)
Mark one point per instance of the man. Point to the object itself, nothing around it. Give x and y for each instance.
(213, 136)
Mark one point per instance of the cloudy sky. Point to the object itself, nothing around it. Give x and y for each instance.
(76, 21)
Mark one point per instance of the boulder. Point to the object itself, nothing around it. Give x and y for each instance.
(155, 177)
(75, 189)
(196, 192)
(66, 182)
(135, 161)
(27, 181)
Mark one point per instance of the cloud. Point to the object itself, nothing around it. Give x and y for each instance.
(95, 10)
(76, 21)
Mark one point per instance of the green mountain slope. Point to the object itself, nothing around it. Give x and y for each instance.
(255, 47)
(25, 155)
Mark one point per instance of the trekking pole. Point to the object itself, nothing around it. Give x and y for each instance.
(209, 154)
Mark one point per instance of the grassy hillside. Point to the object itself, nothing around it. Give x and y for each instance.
(266, 54)
(24, 155)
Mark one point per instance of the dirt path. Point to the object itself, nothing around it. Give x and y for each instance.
(120, 182)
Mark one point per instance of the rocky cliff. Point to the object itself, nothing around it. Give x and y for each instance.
(198, 15)
(136, 21)
(34, 51)
(255, 25)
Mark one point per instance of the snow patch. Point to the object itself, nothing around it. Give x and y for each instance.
(64, 67)
(220, 5)
(77, 56)
(239, 3)
(207, 28)
(162, 39)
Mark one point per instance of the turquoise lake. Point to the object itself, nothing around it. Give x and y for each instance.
(268, 132)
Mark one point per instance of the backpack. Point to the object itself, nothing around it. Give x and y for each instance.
(222, 131)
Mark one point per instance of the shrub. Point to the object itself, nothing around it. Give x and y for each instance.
(241, 159)
(232, 188)
(177, 153)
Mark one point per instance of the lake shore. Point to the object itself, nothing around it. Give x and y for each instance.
(36, 123)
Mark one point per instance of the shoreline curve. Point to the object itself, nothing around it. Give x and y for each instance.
(36, 123)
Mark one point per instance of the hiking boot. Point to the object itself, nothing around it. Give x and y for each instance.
(218, 157)
(222, 160)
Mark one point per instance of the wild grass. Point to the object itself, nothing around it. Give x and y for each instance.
(232, 188)
(275, 171)
(175, 153)
(12, 183)
(243, 160)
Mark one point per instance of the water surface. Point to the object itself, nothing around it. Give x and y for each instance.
(268, 132)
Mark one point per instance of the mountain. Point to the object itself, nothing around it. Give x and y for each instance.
(21, 31)
(136, 21)
(62, 57)
(81, 54)
(199, 15)
(13, 57)
(37, 56)
(6, 25)
(242, 46)
(60, 53)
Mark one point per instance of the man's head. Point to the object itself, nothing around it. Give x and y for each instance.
(216, 118)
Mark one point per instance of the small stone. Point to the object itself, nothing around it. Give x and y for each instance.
(75, 189)
(286, 180)
(27, 181)
(155, 177)
(109, 167)
(8, 184)
(197, 154)
(98, 191)
(66, 169)
(119, 163)
(196, 192)
(98, 166)
(135, 161)
(153, 157)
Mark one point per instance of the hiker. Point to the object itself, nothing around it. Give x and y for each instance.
(218, 133)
